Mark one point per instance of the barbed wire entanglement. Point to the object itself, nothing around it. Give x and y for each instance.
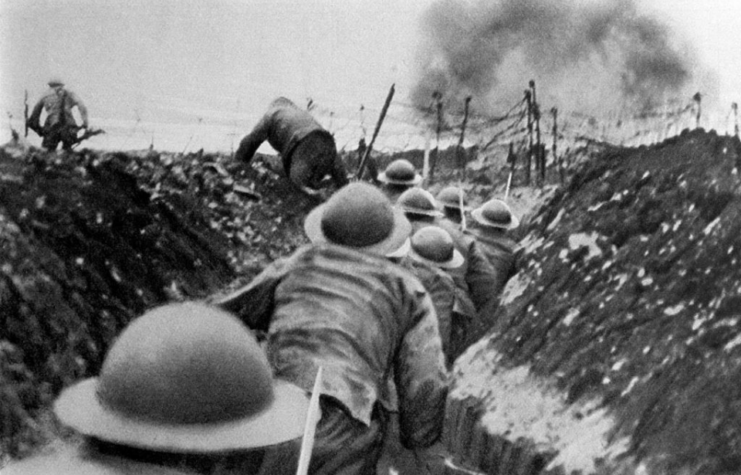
(523, 136)
(526, 135)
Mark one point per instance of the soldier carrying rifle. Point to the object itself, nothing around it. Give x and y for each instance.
(60, 124)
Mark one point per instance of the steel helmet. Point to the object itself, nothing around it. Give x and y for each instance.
(450, 197)
(433, 245)
(496, 214)
(185, 378)
(418, 201)
(359, 216)
(400, 172)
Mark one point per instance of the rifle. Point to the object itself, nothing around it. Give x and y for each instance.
(25, 111)
(463, 210)
(86, 135)
(312, 418)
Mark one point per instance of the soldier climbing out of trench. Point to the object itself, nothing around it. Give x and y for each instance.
(308, 151)
(340, 304)
(185, 389)
(60, 125)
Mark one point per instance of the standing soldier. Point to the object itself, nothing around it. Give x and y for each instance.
(340, 304)
(184, 387)
(433, 255)
(307, 150)
(420, 207)
(399, 176)
(477, 272)
(491, 221)
(60, 124)
(450, 198)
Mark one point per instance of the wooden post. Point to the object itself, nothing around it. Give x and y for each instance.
(426, 162)
(556, 158)
(437, 96)
(460, 151)
(698, 99)
(539, 149)
(528, 162)
(375, 132)
(25, 112)
(362, 120)
(734, 107)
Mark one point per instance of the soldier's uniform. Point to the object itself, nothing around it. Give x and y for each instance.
(185, 387)
(491, 221)
(60, 124)
(339, 303)
(398, 176)
(308, 151)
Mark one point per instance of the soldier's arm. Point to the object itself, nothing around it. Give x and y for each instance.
(252, 141)
(481, 277)
(421, 378)
(80, 107)
(254, 303)
(339, 173)
(34, 120)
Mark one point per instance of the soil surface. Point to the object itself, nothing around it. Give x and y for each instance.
(616, 349)
(619, 340)
(91, 239)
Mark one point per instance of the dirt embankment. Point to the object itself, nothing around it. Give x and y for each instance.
(89, 240)
(618, 345)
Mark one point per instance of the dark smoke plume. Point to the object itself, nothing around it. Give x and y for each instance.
(587, 54)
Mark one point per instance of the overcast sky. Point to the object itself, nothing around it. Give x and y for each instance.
(162, 60)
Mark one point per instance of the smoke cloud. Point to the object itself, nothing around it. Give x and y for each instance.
(584, 54)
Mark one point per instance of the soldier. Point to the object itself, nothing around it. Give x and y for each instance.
(451, 198)
(491, 221)
(307, 150)
(420, 207)
(479, 275)
(340, 304)
(184, 387)
(60, 124)
(399, 176)
(433, 252)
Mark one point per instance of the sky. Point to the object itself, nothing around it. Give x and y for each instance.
(211, 67)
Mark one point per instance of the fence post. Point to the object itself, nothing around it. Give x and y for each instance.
(460, 151)
(539, 150)
(734, 107)
(556, 158)
(528, 161)
(698, 99)
(437, 96)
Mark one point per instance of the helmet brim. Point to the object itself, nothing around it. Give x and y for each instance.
(79, 407)
(420, 211)
(453, 263)
(383, 178)
(399, 232)
(477, 215)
